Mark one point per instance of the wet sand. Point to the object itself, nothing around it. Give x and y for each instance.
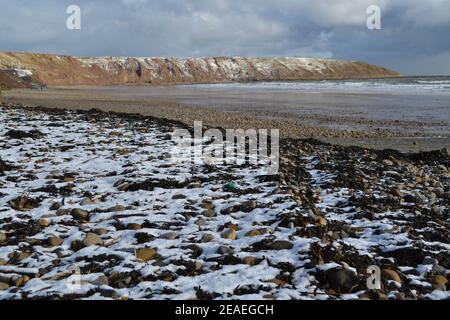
(376, 120)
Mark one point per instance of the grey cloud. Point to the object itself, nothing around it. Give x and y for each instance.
(413, 39)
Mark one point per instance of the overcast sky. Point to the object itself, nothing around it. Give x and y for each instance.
(414, 38)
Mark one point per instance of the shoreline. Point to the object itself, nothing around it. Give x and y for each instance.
(330, 129)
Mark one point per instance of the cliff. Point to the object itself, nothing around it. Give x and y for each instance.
(67, 70)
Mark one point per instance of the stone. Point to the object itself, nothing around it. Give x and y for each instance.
(62, 212)
(224, 250)
(246, 206)
(54, 241)
(439, 281)
(179, 196)
(22, 281)
(200, 222)
(207, 205)
(146, 254)
(389, 274)
(76, 245)
(169, 236)
(229, 234)
(117, 208)
(2, 237)
(209, 213)
(86, 202)
(281, 245)
(100, 231)
(251, 261)
(388, 162)
(101, 280)
(322, 221)
(342, 280)
(408, 198)
(3, 286)
(43, 223)
(196, 250)
(134, 226)
(55, 206)
(207, 237)
(3, 262)
(430, 261)
(253, 233)
(92, 239)
(79, 214)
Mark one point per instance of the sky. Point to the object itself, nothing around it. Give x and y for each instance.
(413, 39)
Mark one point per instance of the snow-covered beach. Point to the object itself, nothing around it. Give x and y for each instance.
(92, 208)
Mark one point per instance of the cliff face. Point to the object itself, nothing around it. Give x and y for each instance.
(66, 70)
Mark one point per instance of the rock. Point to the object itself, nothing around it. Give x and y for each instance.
(79, 214)
(253, 233)
(342, 280)
(198, 265)
(43, 223)
(251, 261)
(209, 213)
(179, 196)
(169, 236)
(3, 286)
(246, 206)
(62, 212)
(207, 205)
(100, 231)
(19, 255)
(86, 202)
(430, 261)
(92, 240)
(54, 241)
(322, 221)
(22, 281)
(146, 254)
(439, 282)
(76, 245)
(117, 208)
(281, 245)
(445, 152)
(229, 234)
(388, 162)
(134, 226)
(196, 250)
(408, 198)
(55, 206)
(3, 262)
(390, 275)
(2, 237)
(224, 250)
(102, 280)
(200, 222)
(207, 237)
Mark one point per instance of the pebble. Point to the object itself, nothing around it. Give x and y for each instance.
(134, 226)
(209, 213)
(281, 245)
(389, 274)
(22, 281)
(79, 214)
(3, 286)
(342, 280)
(146, 254)
(229, 234)
(117, 208)
(43, 223)
(2, 237)
(92, 239)
(169, 236)
(102, 280)
(439, 281)
(200, 222)
(54, 241)
(251, 261)
(179, 196)
(3, 262)
(62, 212)
(207, 237)
(86, 202)
(224, 250)
(100, 231)
(55, 206)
